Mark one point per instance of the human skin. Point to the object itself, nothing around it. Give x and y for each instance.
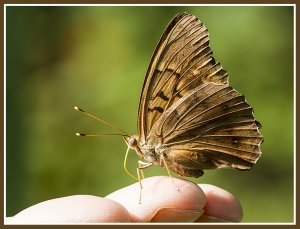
(161, 202)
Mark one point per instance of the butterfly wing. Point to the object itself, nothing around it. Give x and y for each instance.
(188, 107)
(182, 61)
(211, 127)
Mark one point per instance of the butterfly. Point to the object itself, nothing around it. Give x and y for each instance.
(190, 119)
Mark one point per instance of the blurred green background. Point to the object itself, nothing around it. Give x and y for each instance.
(96, 58)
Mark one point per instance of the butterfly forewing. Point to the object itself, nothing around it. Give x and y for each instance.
(181, 62)
(188, 112)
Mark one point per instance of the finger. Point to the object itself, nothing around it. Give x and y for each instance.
(73, 209)
(161, 202)
(221, 206)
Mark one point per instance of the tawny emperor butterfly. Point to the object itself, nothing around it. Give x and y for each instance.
(189, 118)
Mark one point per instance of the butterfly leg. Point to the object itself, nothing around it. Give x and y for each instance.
(125, 160)
(162, 159)
(142, 165)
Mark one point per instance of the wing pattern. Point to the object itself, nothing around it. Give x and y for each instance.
(188, 109)
(181, 62)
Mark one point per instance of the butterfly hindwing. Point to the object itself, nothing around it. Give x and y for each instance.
(213, 122)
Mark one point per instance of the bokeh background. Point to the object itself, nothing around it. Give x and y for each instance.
(96, 57)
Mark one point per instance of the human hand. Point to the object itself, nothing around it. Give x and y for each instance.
(161, 202)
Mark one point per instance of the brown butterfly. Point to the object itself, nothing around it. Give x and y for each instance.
(189, 118)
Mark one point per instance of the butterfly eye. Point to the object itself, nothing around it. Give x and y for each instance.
(132, 141)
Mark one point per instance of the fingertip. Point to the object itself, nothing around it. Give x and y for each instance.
(221, 205)
(159, 198)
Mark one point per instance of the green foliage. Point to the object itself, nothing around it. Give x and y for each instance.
(96, 58)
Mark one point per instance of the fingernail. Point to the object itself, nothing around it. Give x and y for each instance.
(176, 215)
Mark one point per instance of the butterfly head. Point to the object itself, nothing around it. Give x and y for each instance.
(131, 141)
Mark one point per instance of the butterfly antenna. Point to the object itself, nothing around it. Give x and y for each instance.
(97, 135)
(100, 120)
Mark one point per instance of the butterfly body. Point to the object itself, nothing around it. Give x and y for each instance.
(149, 153)
(189, 118)
(158, 154)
